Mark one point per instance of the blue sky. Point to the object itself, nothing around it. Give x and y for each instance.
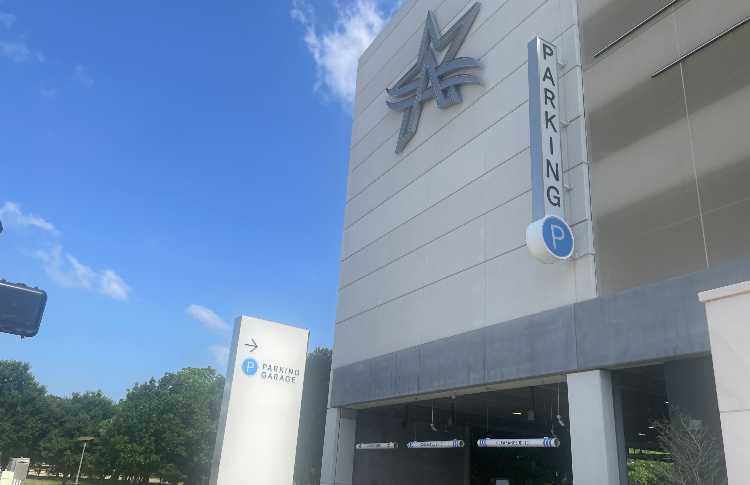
(167, 166)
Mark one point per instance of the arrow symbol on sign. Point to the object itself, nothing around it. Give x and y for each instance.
(252, 346)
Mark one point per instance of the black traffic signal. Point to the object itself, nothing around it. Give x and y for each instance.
(21, 308)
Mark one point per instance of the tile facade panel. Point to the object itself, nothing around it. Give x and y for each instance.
(667, 160)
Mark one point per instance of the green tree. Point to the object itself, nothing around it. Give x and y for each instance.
(68, 419)
(167, 428)
(642, 471)
(22, 410)
(163, 428)
(57, 451)
(191, 401)
(133, 436)
(313, 417)
(697, 452)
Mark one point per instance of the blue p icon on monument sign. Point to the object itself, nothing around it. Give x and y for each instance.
(249, 366)
(557, 237)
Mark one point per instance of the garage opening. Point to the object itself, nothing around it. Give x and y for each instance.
(641, 402)
(668, 405)
(424, 437)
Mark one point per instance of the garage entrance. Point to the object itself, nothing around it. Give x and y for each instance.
(516, 415)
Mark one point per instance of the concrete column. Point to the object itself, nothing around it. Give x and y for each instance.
(622, 452)
(338, 447)
(593, 433)
(728, 314)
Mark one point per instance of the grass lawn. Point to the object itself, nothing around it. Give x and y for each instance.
(32, 480)
(51, 481)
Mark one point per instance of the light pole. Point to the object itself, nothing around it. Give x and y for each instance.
(85, 440)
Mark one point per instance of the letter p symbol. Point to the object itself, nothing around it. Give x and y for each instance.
(558, 234)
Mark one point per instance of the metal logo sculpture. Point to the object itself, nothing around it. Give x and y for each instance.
(428, 79)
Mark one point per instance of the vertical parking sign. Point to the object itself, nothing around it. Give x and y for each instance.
(544, 124)
(548, 237)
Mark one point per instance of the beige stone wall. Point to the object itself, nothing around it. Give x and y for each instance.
(728, 313)
(433, 240)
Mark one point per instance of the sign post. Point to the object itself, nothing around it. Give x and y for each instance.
(257, 436)
(548, 237)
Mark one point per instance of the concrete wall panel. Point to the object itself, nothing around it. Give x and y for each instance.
(661, 321)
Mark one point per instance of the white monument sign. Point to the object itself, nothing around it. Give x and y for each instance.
(257, 437)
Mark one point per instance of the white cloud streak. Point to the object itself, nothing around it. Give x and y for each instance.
(113, 286)
(81, 74)
(336, 51)
(221, 355)
(63, 268)
(12, 216)
(207, 317)
(67, 271)
(16, 50)
(19, 52)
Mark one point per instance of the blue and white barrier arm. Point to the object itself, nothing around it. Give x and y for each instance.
(518, 443)
(376, 446)
(436, 444)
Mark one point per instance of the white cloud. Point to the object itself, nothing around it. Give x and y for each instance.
(336, 51)
(220, 354)
(67, 271)
(81, 74)
(19, 52)
(7, 20)
(15, 51)
(63, 268)
(113, 286)
(12, 216)
(207, 317)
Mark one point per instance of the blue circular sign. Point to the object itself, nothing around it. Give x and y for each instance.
(557, 237)
(249, 366)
